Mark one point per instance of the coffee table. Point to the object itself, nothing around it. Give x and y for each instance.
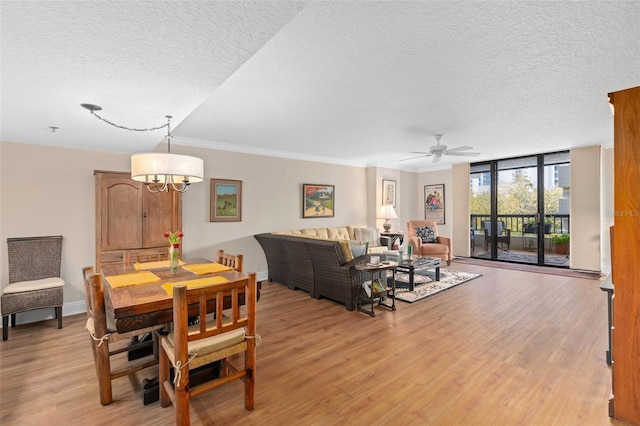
(419, 265)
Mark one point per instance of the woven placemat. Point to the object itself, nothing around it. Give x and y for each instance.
(207, 268)
(191, 284)
(143, 277)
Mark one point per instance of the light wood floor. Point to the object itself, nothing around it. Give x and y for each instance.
(508, 348)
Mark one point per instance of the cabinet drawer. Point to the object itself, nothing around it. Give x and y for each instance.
(112, 256)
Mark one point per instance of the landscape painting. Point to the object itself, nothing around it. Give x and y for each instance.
(317, 200)
(226, 200)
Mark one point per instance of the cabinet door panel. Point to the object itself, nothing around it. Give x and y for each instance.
(159, 217)
(121, 204)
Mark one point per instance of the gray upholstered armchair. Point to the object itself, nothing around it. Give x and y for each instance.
(34, 278)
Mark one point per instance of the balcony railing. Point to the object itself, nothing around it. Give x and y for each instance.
(519, 223)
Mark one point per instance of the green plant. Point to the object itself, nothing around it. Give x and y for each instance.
(561, 238)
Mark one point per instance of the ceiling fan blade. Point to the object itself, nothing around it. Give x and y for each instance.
(419, 156)
(462, 154)
(419, 152)
(460, 148)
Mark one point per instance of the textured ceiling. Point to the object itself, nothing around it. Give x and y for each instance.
(349, 82)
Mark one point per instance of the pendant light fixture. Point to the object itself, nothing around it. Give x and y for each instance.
(160, 171)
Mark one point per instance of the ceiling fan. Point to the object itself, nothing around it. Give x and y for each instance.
(437, 151)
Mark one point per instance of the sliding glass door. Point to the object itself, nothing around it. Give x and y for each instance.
(519, 209)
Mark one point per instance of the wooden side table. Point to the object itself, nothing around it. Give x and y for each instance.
(377, 272)
(395, 236)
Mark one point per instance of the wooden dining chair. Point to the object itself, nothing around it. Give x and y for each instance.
(232, 260)
(216, 338)
(102, 333)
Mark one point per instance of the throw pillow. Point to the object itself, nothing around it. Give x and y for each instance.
(426, 233)
(370, 235)
(358, 249)
(346, 250)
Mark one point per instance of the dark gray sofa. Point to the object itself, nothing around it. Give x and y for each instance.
(314, 265)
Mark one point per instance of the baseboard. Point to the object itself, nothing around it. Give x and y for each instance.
(44, 314)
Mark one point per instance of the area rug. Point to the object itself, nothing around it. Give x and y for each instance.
(427, 286)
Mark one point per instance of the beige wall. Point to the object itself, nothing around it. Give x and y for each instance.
(461, 210)
(606, 207)
(50, 191)
(585, 209)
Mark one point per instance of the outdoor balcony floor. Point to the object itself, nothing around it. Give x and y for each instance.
(523, 256)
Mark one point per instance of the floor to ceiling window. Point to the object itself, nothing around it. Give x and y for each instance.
(520, 209)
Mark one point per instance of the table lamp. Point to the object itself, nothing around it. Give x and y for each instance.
(387, 212)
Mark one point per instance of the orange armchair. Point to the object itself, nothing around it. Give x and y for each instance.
(416, 230)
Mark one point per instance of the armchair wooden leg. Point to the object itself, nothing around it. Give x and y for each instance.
(59, 316)
(13, 320)
(5, 327)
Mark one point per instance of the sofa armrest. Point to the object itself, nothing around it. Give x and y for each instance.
(444, 241)
(356, 261)
(415, 243)
(386, 242)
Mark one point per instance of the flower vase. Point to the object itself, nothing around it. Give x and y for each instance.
(173, 259)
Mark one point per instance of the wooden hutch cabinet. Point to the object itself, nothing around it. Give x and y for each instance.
(130, 218)
(625, 261)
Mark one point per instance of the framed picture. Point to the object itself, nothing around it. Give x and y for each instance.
(317, 200)
(434, 203)
(389, 192)
(226, 200)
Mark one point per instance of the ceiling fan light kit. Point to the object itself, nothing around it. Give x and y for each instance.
(160, 171)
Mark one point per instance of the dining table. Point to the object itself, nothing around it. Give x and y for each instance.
(139, 296)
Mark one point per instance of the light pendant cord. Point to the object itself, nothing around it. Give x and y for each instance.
(93, 108)
(159, 171)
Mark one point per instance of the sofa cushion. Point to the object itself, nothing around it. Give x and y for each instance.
(369, 235)
(351, 229)
(426, 233)
(44, 283)
(340, 233)
(296, 232)
(316, 232)
(434, 250)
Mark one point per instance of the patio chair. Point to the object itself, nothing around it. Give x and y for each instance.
(503, 234)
